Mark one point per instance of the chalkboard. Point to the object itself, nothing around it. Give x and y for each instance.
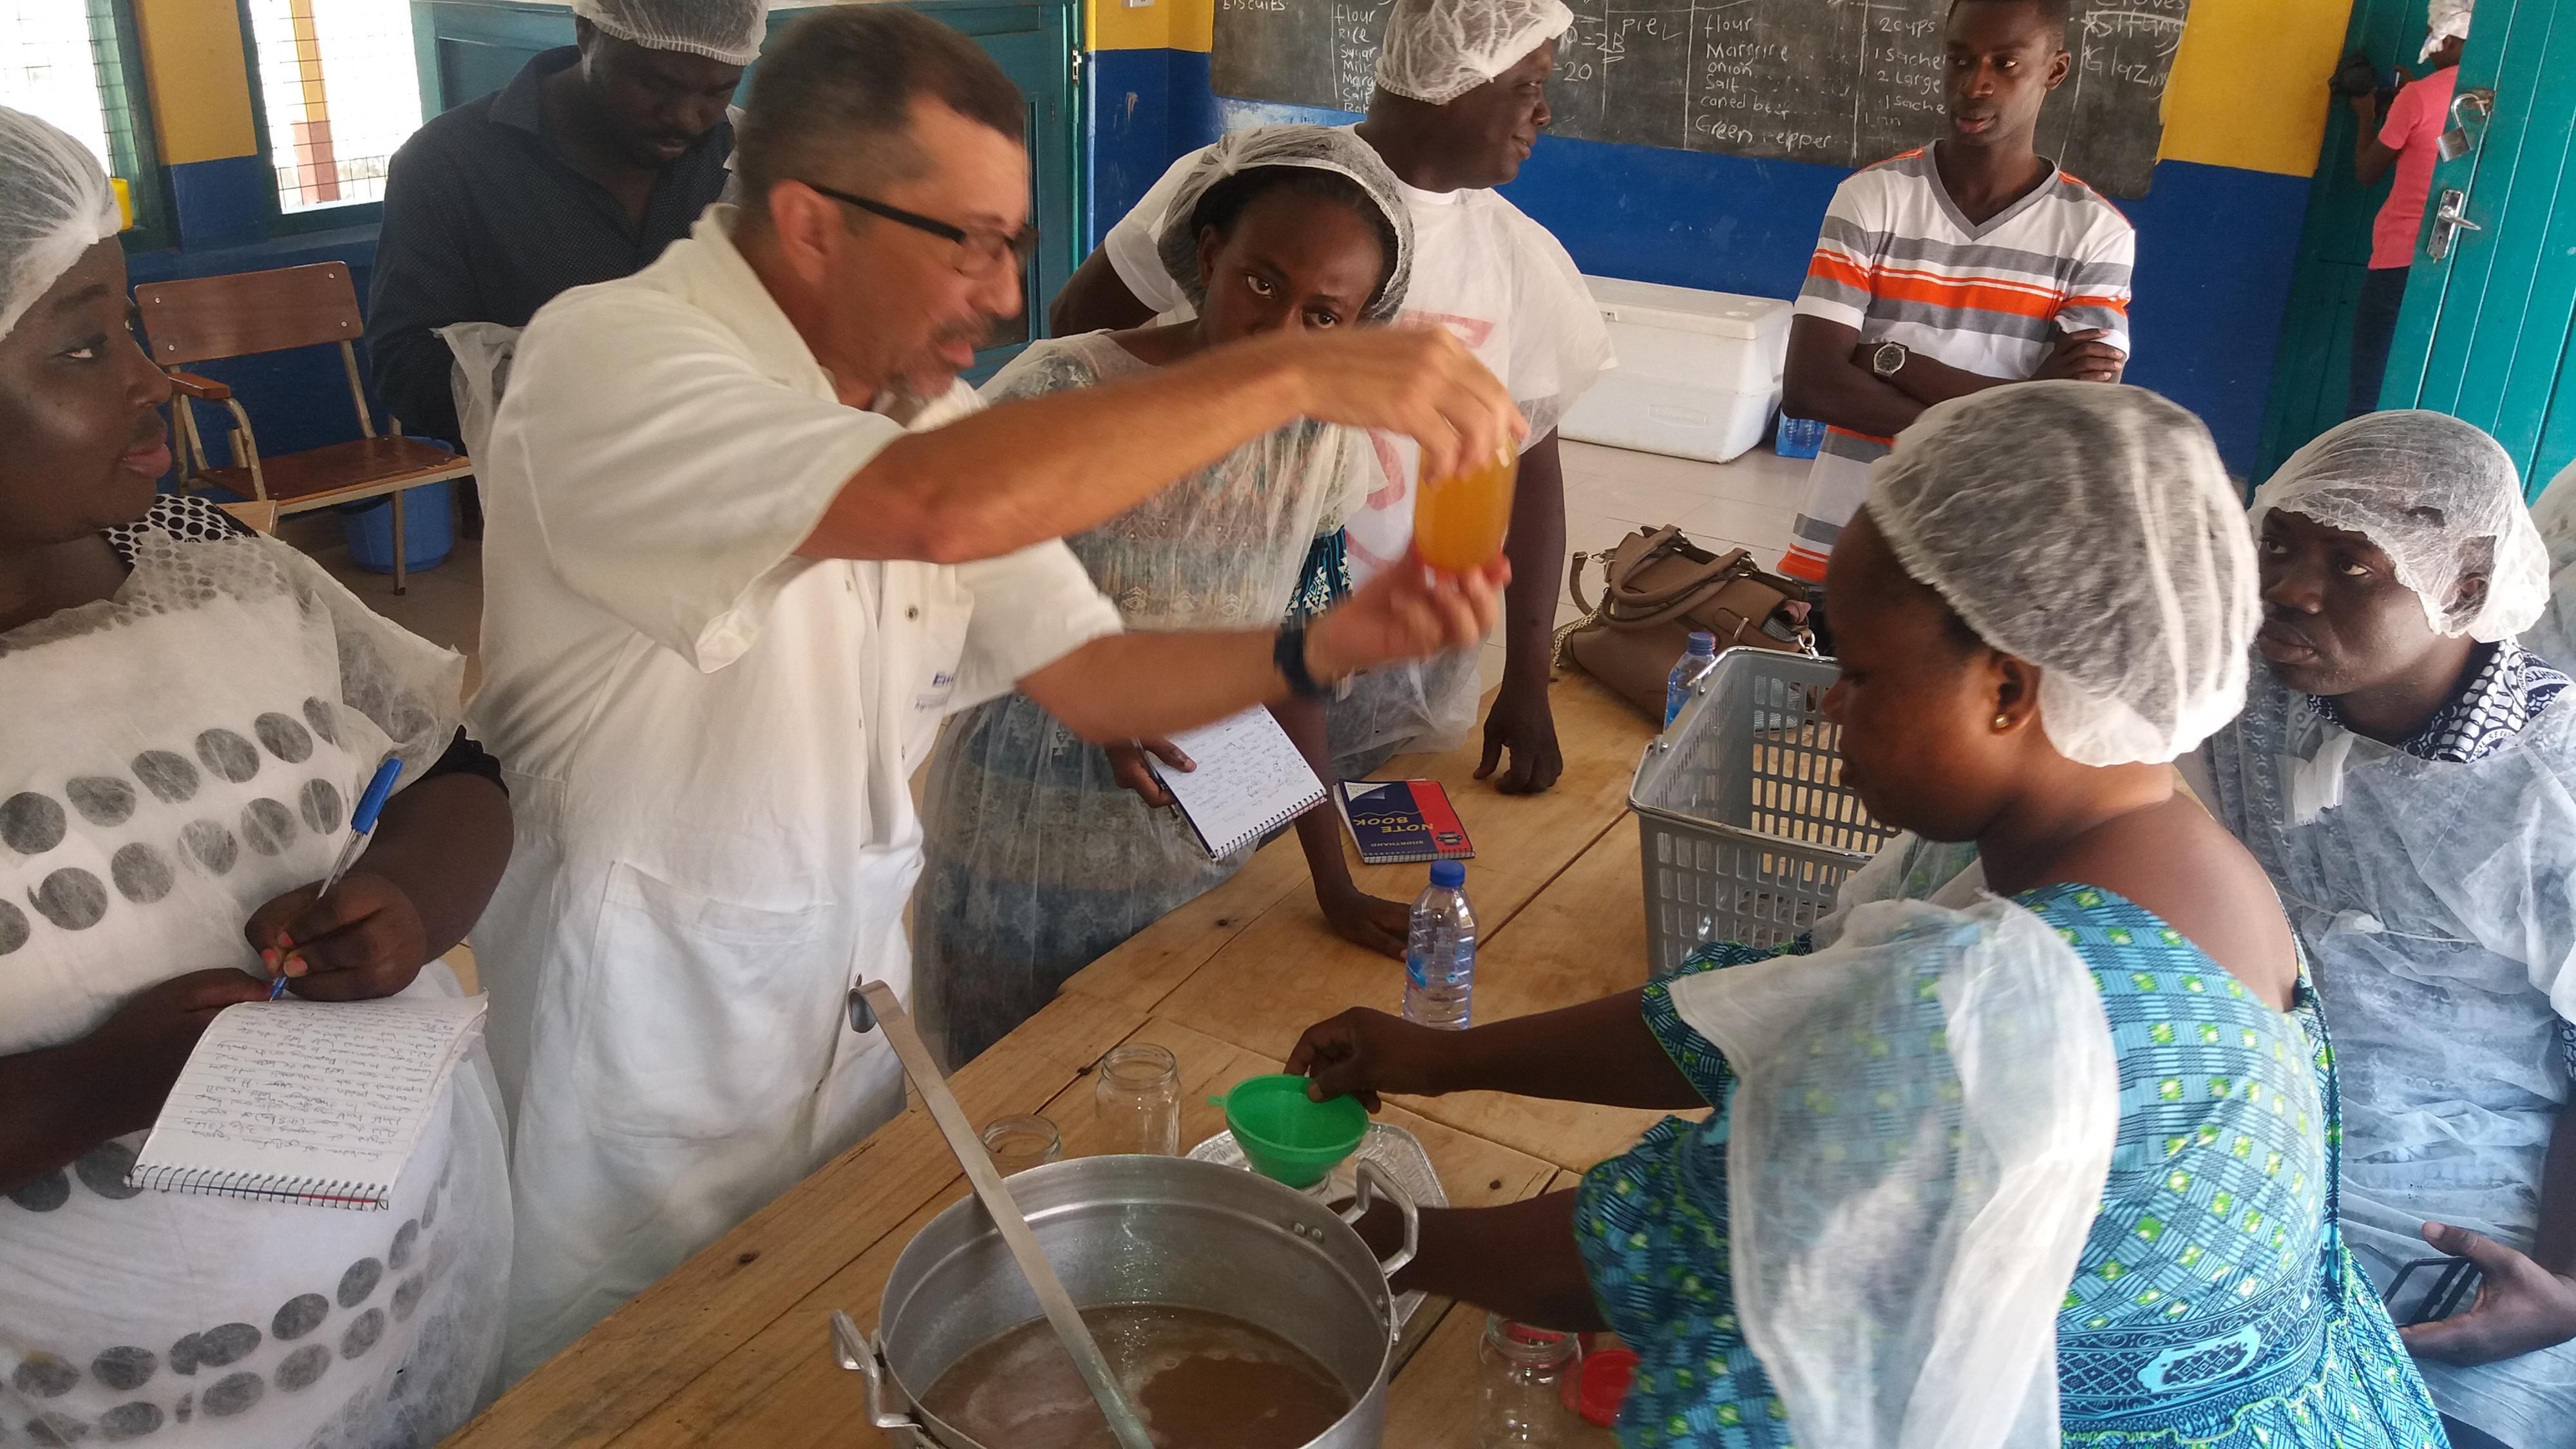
(1843, 82)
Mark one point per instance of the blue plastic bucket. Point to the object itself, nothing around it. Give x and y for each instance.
(428, 536)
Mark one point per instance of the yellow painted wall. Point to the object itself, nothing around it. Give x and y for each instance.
(193, 58)
(1113, 25)
(2248, 86)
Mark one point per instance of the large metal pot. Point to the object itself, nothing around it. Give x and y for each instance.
(1140, 1230)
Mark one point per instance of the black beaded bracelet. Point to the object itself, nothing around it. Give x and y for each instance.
(1288, 653)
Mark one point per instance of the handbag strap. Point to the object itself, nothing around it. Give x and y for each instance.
(1700, 576)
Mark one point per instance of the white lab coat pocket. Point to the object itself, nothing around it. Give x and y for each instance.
(938, 650)
(702, 1017)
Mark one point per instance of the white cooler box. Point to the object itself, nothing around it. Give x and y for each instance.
(1698, 373)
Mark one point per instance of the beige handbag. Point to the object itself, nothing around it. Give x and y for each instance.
(1657, 588)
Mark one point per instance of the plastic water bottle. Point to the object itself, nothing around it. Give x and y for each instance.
(1698, 661)
(1440, 951)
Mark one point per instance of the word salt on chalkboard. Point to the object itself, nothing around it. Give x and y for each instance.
(1840, 82)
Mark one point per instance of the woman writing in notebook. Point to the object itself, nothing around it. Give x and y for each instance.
(188, 714)
(1038, 859)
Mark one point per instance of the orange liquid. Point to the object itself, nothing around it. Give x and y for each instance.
(1459, 521)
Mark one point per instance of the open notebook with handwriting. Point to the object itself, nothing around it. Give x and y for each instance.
(1250, 781)
(307, 1101)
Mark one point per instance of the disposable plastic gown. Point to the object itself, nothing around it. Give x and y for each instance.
(1906, 1212)
(2437, 901)
(1037, 861)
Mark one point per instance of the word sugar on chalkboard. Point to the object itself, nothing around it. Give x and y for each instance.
(1843, 82)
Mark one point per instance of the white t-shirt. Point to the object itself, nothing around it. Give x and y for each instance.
(1897, 261)
(1498, 280)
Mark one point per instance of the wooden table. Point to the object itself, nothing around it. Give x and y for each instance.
(731, 1348)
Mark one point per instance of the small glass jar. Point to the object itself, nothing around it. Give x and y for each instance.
(1017, 1144)
(1520, 1383)
(1137, 1093)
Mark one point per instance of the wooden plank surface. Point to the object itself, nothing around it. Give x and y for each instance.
(730, 1349)
(726, 1295)
(1434, 1403)
(1582, 939)
(1266, 915)
(781, 1386)
(1284, 970)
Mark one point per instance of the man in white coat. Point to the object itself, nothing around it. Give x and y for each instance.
(731, 597)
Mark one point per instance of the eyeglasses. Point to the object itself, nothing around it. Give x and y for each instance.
(977, 251)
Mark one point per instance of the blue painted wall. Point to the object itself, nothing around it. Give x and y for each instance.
(1145, 107)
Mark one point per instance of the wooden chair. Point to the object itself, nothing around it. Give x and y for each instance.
(210, 318)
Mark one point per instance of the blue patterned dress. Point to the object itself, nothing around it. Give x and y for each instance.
(2213, 1305)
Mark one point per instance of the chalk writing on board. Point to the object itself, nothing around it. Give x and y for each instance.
(1842, 82)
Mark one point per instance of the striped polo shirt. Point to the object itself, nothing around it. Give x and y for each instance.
(1899, 262)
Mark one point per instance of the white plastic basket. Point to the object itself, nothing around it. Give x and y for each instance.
(1745, 828)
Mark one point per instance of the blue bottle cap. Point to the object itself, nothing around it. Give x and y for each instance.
(1450, 873)
(1703, 642)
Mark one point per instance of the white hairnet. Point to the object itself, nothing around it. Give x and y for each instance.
(1319, 148)
(725, 30)
(2554, 637)
(1438, 50)
(55, 204)
(2440, 498)
(2445, 20)
(2090, 529)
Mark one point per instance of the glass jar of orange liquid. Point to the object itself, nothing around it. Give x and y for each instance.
(1459, 521)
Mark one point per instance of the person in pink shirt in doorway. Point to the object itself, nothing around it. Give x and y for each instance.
(2409, 137)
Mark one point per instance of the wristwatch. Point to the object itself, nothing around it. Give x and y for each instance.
(1889, 359)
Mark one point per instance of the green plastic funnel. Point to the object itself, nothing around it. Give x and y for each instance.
(1287, 1138)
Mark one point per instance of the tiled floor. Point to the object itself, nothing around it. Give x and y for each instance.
(1609, 494)
(443, 604)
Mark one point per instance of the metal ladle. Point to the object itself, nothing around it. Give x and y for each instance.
(873, 1004)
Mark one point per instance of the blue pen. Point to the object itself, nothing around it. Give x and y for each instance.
(362, 823)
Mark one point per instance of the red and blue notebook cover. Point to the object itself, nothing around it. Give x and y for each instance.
(1396, 821)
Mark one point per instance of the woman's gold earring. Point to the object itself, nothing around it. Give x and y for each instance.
(2002, 722)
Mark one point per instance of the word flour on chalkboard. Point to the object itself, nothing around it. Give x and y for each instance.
(1842, 82)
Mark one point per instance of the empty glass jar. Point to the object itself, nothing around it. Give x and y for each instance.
(1137, 1092)
(1520, 1384)
(1019, 1143)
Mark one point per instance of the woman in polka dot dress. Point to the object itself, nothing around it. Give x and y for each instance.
(2032, 1140)
(187, 713)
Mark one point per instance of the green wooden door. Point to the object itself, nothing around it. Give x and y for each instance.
(2311, 375)
(466, 48)
(2485, 333)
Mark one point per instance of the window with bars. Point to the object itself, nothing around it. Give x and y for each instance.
(76, 64)
(339, 92)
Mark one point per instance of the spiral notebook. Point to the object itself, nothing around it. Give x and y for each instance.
(1249, 782)
(307, 1101)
